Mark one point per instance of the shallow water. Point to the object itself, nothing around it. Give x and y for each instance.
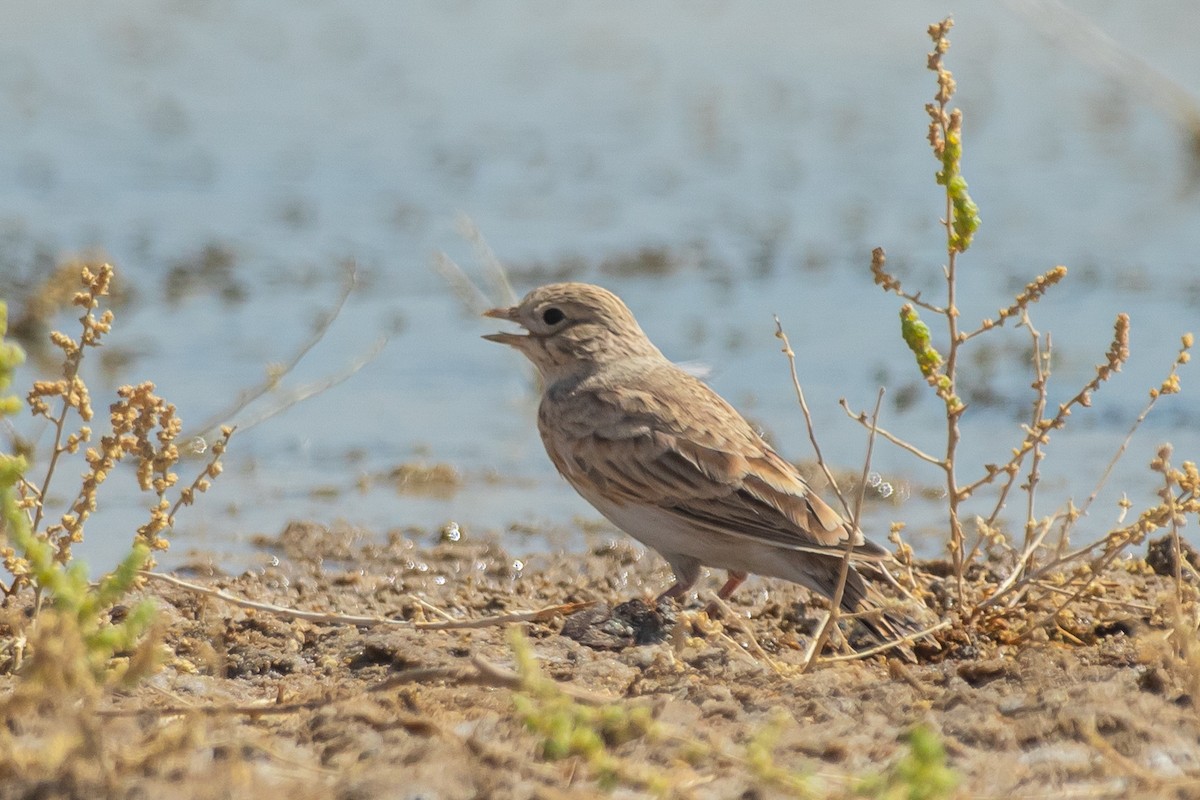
(714, 163)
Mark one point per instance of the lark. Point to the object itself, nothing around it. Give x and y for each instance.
(667, 460)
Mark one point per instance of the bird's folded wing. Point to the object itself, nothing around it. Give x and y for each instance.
(753, 494)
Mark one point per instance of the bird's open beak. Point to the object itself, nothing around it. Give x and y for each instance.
(511, 339)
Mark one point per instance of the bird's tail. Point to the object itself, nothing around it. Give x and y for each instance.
(879, 614)
(887, 624)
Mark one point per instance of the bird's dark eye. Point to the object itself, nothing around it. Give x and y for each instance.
(553, 316)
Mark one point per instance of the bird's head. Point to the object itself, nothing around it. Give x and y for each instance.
(571, 327)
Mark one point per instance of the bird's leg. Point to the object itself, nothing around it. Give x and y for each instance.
(687, 572)
(677, 590)
(731, 585)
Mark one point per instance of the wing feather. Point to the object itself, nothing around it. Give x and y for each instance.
(676, 444)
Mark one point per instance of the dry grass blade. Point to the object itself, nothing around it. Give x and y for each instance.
(1092, 45)
(363, 621)
(468, 292)
(299, 395)
(907, 639)
(487, 256)
(277, 372)
(473, 298)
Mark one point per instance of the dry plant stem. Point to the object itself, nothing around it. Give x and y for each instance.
(1039, 432)
(1129, 605)
(198, 484)
(812, 435)
(485, 254)
(70, 374)
(1112, 463)
(248, 396)
(883, 648)
(1072, 514)
(728, 614)
(485, 673)
(367, 621)
(469, 293)
(1041, 360)
(305, 392)
(1035, 456)
(941, 136)
(1041, 381)
(1098, 567)
(861, 418)
(1168, 496)
(1116, 542)
(891, 283)
(1019, 570)
(835, 603)
(953, 434)
(1058, 563)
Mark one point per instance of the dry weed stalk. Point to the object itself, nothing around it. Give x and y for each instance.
(275, 373)
(1177, 501)
(143, 428)
(828, 624)
(1025, 459)
(38, 540)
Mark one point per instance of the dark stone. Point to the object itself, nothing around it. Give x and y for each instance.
(629, 624)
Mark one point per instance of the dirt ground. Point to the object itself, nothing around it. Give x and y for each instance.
(249, 703)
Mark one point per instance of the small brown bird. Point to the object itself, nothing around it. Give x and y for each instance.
(668, 461)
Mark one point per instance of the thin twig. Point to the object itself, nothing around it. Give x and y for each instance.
(889, 645)
(468, 292)
(730, 619)
(835, 603)
(1112, 463)
(1017, 570)
(266, 708)
(368, 621)
(1097, 569)
(487, 256)
(485, 673)
(861, 418)
(218, 449)
(248, 396)
(1041, 377)
(1042, 373)
(302, 393)
(1105, 601)
(1168, 496)
(812, 434)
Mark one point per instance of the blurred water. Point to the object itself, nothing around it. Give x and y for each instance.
(713, 162)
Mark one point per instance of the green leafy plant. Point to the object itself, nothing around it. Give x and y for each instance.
(920, 774)
(567, 727)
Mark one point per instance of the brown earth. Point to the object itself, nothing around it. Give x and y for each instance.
(250, 703)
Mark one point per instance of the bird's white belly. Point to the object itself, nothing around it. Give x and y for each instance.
(664, 532)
